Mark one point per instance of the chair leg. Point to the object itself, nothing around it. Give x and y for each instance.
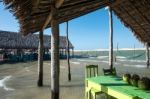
(108, 96)
(87, 95)
(94, 96)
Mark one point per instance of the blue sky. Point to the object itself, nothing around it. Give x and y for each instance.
(87, 32)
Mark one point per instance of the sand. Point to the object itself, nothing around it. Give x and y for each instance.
(22, 78)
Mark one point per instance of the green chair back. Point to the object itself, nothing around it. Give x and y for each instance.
(91, 71)
(109, 71)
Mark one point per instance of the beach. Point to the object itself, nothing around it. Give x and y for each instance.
(19, 80)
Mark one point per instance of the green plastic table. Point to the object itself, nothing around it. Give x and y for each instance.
(116, 87)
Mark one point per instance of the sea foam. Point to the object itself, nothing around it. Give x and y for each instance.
(3, 85)
(76, 63)
(102, 57)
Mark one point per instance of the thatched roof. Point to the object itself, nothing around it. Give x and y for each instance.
(135, 14)
(13, 40)
(32, 14)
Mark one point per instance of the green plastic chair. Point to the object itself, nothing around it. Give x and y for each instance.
(110, 72)
(91, 71)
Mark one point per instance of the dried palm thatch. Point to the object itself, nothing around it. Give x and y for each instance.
(135, 15)
(32, 14)
(13, 40)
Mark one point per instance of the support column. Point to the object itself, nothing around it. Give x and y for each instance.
(110, 39)
(54, 56)
(68, 53)
(40, 60)
(147, 55)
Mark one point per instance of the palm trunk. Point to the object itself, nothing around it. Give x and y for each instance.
(54, 58)
(111, 40)
(68, 54)
(40, 60)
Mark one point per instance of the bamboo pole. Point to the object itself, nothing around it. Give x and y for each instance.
(68, 53)
(40, 60)
(54, 56)
(147, 55)
(110, 39)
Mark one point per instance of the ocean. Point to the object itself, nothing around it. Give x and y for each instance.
(127, 54)
(135, 58)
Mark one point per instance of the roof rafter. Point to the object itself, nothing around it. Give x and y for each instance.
(49, 17)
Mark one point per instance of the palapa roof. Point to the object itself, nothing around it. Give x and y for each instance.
(13, 40)
(135, 14)
(32, 14)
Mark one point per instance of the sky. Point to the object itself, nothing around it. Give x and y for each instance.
(88, 32)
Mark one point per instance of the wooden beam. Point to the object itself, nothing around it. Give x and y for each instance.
(91, 6)
(110, 39)
(72, 2)
(36, 3)
(59, 3)
(68, 52)
(40, 59)
(117, 2)
(54, 56)
(48, 19)
(71, 15)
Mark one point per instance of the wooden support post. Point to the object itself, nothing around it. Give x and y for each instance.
(110, 39)
(147, 55)
(40, 60)
(68, 53)
(54, 56)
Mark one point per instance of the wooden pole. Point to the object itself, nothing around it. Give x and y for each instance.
(54, 55)
(147, 55)
(40, 60)
(110, 39)
(68, 54)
